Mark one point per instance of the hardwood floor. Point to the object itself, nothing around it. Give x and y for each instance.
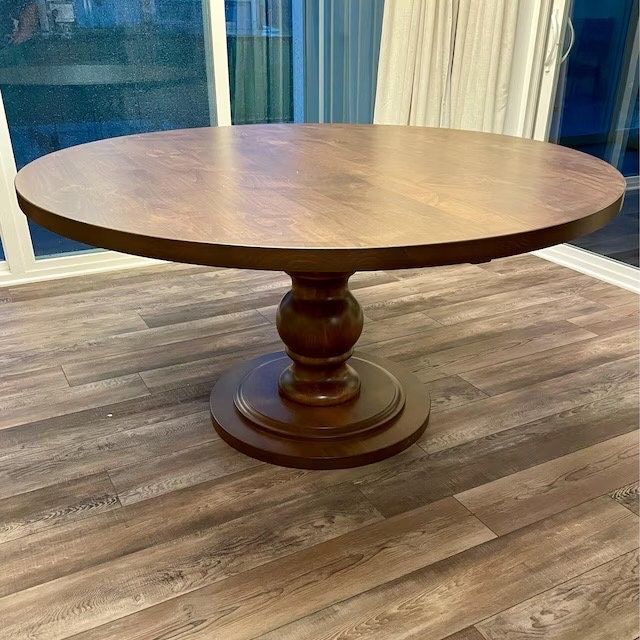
(123, 516)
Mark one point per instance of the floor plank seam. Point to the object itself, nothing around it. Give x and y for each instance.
(623, 505)
(266, 317)
(369, 501)
(115, 491)
(64, 373)
(608, 495)
(474, 626)
(478, 389)
(139, 314)
(477, 517)
(634, 490)
(146, 386)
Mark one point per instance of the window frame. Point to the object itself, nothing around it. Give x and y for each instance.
(20, 264)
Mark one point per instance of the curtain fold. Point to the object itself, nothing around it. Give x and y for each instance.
(446, 63)
(481, 65)
(415, 56)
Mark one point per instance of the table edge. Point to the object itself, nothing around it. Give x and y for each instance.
(320, 259)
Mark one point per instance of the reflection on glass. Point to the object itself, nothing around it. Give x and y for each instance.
(79, 70)
(596, 108)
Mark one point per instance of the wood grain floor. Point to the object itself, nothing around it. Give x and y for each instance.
(123, 516)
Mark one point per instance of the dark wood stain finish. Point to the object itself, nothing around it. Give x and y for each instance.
(323, 198)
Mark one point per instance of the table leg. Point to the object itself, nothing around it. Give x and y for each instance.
(318, 405)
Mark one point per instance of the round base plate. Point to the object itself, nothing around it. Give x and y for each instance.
(390, 414)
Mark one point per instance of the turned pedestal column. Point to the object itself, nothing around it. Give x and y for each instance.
(319, 405)
(319, 322)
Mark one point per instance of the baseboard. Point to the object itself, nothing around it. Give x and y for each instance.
(73, 265)
(633, 182)
(606, 269)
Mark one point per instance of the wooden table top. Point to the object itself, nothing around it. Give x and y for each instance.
(320, 197)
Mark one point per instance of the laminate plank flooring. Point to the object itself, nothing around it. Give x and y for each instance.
(123, 516)
(26, 513)
(521, 406)
(478, 582)
(20, 383)
(125, 585)
(312, 578)
(532, 494)
(471, 633)
(553, 362)
(132, 446)
(601, 604)
(500, 455)
(628, 496)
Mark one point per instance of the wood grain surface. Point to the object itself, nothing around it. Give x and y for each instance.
(478, 582)
(599, 605)
(124, 516)
(320, 197)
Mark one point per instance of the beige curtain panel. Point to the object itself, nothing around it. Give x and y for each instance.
(446, 63)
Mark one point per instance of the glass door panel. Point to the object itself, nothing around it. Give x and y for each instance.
(73, 71)
(303, 60)
(596, 108)
(259, 48)
(342, 47)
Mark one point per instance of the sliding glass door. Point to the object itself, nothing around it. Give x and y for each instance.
(73, 71)
(596, 108)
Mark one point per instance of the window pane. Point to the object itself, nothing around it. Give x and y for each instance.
(342, 46)
(79, 70)
(259, 46)
(596, 108)
(303, 61)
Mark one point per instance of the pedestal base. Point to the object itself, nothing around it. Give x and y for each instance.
(389, 414)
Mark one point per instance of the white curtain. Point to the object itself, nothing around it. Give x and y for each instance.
(446, 63)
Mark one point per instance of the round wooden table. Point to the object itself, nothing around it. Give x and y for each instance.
(320, 202)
